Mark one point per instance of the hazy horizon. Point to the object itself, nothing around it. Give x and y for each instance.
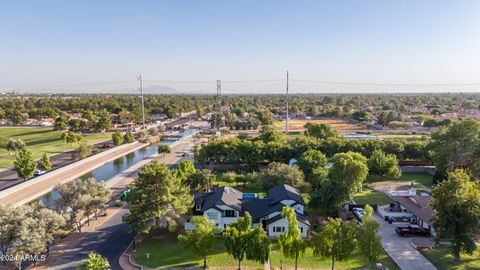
(185, 46)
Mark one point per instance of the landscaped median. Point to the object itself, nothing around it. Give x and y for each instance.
(164, 251)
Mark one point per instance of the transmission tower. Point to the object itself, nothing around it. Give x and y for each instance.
(140, 88)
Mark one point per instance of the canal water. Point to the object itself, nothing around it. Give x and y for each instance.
(112, 168)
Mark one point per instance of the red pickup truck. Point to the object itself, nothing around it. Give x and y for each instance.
(412, 230)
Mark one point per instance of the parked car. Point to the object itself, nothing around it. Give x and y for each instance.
(412, 230)
(105, 146)
(359, 212)
(39, 172)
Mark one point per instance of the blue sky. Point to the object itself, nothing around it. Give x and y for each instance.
(44, 43)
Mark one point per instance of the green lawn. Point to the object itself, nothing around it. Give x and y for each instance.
(309, 261)
(168, 252)
(372, 197)
(40, 140)
(406, 178)
(443, 260)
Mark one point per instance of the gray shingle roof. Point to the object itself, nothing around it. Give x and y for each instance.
(221, 195)
(282, 192)
(300, 218)
(257, 208)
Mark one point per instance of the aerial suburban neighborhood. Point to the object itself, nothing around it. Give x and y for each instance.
(208, 134)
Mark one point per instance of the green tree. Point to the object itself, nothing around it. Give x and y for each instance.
(244, 242)
(71, 137)
(14, 145)
(320, 131)
(157, 194)
(268, 134)
(383, 165)
(291, 243)
(278, 173)
(128, 137)
(83, 151)
(95, 261)
(200, 240)
(60, 126)
(265, 117)
(230, 178)
(330, 198)
(103, 121)
(349, 170)
(314, 165)
(52, 223)
(369, 242)
(185, 169)
(455, 147)
(200, 180)
(45, 163)
(164, 149)
(456, 205)
(24, 164)
(117, 138)
(336, 240)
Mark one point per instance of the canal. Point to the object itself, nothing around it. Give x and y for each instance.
(112, 168)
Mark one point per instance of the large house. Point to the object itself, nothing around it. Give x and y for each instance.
(223, 205)
(410, 206)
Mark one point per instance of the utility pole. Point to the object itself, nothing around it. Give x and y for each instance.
(140, 87)
(286, 119)
(218, 109)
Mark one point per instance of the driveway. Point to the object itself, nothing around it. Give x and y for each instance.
(400, 249)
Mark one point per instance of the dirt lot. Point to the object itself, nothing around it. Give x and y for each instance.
(338, 124)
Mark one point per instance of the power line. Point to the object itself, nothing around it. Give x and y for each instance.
(386, 84)
(70, 85)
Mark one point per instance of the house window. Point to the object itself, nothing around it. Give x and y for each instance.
(212, 215)
(279, 229)
(229, 213)
(198, 207)
(224, 226)
(273, 229)
(283, 229)
(301, 229)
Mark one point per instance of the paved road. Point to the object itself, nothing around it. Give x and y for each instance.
(111, 238)
(10, 178)
(400, 249)
(47, 182)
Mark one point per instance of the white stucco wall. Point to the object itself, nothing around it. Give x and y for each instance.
(218, 218)
(284, 223)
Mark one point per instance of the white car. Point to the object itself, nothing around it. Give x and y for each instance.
(39, 172)
(359, 212)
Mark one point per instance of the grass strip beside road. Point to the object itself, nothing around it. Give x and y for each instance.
(41, 140)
